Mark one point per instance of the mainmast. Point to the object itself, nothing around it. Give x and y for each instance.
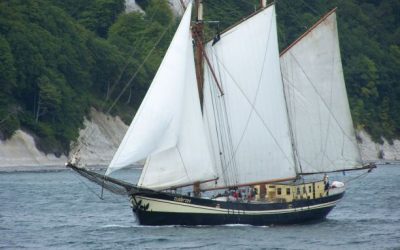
(198, 36)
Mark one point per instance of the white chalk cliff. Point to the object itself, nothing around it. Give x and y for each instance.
(102, 135)
(176, 6)
(371, 152)
(20, 151)
(100, 138)
(131, 5)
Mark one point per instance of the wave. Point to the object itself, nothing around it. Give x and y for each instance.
(115, 226)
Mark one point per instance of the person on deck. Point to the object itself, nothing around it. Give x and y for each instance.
(235, 195)
(326, 183)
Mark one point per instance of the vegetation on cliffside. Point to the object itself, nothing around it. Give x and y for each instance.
(60, 57)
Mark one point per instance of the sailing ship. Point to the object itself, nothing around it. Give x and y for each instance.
(229, 136)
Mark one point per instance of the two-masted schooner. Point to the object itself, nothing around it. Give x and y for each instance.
(239, 136)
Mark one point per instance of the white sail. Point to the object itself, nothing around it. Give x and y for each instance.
(168, 116)
(248, 126)
(190, 160)
(317, 101)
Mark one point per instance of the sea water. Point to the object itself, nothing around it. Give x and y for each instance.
(60, 210)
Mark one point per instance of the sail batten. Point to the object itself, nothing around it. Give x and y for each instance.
(317, 101)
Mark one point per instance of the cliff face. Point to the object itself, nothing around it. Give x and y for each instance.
(20, 151)
(102, 135)
(176, 6)
(100, 138)
(131, 5)
(371, 151)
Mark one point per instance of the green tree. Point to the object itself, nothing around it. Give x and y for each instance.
(7, 69)
(49, 98)
(101, 15)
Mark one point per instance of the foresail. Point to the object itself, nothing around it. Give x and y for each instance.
(190, 160)
(317, 101)
(167, 129)
(248, 126)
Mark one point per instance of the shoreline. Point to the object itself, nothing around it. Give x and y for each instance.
(385, 162)
(56, 168)
(49, 168)
(43, 168)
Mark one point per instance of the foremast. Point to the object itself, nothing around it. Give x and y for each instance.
(198, 38)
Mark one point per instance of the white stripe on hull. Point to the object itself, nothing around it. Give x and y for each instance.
(159, 205)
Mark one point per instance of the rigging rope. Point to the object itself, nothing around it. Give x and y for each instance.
(232, 161)
(226, 137)
(101, 197)
(133, 52)
(256, 95)
(218, 122)
(264, 123)
(253, 110)
(88, 187)
(222, 128)
(183, 163)
(310, 8)
(234, 149)
(358, 176)
(323, 101)
(80, 146)
(325, 147)
(296, 157)
(137, 71)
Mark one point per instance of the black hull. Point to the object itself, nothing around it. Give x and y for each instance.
(257, 214)
(162, 218)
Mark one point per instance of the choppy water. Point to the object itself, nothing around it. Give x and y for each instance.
(55, 210)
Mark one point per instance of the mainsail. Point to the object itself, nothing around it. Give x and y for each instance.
(167, 129)
(248, 125)
(317, 101)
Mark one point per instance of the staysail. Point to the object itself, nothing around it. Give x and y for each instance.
(167, 129)
(248, 125)
(317, 101)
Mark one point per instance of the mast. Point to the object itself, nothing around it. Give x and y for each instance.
(198, 37)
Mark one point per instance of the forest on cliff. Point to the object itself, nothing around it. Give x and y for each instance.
(58, 58)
